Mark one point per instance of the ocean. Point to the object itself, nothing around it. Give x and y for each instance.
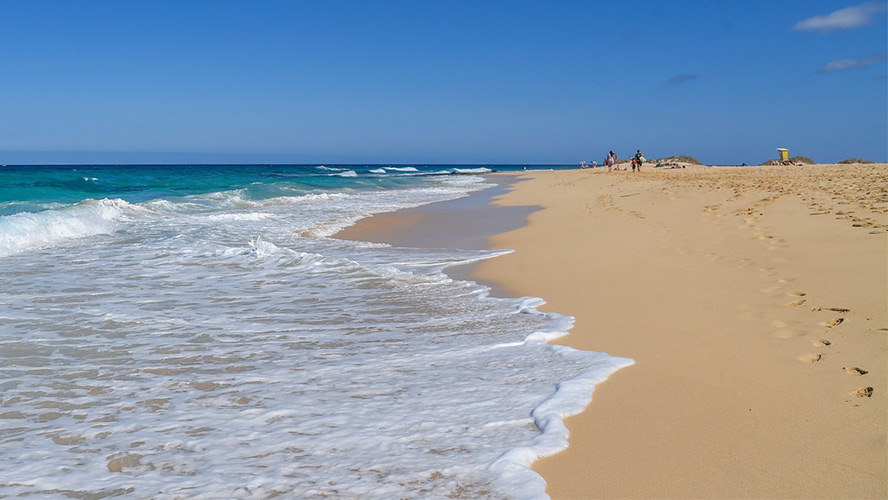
(187, 331)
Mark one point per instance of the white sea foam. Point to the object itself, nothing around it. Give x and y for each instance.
(26, 230)
(204, 347)
(240, 217)
(347, 173)
(481, 170)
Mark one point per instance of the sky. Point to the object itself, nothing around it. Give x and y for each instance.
(449, 81)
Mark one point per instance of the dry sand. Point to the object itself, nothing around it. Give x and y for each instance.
(751, 304)
(754, 302)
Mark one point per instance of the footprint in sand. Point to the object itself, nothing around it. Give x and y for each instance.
(855, 371)
(833, 323)
(796, 303)
(863, 392)
(833, 309)
(606, 201)
(811, 358)
(822, 343)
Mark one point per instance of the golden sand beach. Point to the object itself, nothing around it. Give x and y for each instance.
(754, 302)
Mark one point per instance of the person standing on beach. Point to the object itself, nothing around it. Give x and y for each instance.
(610, 160)
(638, 160)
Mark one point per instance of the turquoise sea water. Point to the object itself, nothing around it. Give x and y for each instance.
(194, 332)
(32, 187)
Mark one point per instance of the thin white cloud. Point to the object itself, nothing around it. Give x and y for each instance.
(840, 65)
(848, 64)
(847, 18)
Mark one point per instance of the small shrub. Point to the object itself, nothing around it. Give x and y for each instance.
(679, 159)
(794, 159)
(848, 161)
(689, 159)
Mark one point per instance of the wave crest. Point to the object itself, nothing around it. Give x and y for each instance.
(26, 231)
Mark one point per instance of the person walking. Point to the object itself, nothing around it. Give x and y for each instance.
(638, 160)
(610, 160)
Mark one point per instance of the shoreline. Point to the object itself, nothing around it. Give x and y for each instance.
(747, 297)
(466, 223)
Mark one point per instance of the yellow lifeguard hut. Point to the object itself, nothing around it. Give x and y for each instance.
(784, 154)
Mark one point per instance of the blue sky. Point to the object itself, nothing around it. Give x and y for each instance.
(441, 81)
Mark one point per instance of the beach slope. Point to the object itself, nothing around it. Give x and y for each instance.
(753, 301)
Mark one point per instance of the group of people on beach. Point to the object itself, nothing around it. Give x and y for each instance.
(611, 160)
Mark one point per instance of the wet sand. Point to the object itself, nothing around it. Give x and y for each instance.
(466, 223)
(755, 304)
